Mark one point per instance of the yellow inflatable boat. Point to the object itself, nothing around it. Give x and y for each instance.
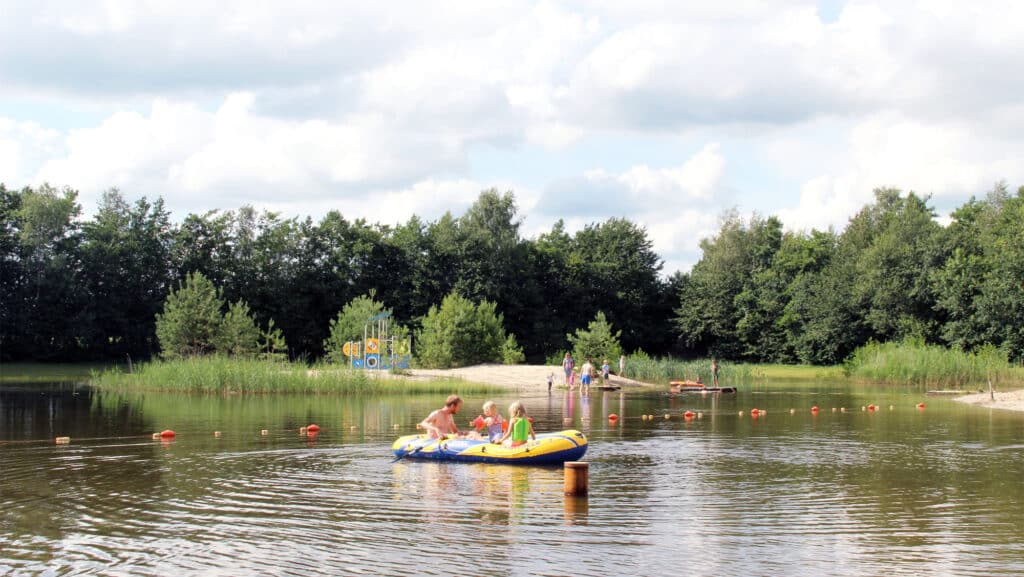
(548, 448)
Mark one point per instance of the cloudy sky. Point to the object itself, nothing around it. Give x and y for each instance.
(668, 116)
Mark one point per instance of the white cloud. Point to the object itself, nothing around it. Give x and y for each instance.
(23, 145)
(324, 104)
(949, 161)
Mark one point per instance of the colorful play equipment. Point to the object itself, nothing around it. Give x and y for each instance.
(379, 349)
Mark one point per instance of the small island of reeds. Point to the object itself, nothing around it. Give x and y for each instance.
(223, 375)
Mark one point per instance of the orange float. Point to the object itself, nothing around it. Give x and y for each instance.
(814, 409)
(313, 428)
(613, 417)
(167, 434)
(920, 405)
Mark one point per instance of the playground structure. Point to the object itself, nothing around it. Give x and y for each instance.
(379, 349)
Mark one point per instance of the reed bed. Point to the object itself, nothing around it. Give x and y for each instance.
(222, 375)
(930, 365)
(662, 370)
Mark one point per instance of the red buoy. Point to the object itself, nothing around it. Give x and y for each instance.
(313, 428)
(814, 409)
(920, 405)
(613, 417)
(167, 434)
(688, 415)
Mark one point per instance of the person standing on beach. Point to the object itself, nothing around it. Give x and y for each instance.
(714, 372)
(622, 366)
(567, 367)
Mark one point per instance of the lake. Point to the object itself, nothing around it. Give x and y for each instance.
(897, 491)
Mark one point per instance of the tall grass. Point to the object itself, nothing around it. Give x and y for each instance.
(42, 372)
(221, 375)
(914, 362)
(649, 370)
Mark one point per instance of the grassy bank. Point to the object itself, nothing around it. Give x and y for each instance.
(931, 365)
(42, 372)
(221, 375)
(663, 370)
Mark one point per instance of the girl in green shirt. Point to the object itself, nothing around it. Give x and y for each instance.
(520, 427)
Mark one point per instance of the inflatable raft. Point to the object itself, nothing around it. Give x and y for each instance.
(547, 449)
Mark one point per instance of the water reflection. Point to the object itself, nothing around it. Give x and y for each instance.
(856, 493)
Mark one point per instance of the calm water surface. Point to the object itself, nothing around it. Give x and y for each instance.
(899, 491)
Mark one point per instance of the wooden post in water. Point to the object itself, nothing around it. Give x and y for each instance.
(576, 478)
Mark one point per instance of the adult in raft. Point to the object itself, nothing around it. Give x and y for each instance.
(440, 423)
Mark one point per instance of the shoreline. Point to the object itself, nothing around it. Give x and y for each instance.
(533, 378)
(528, 378)
(1004, 400)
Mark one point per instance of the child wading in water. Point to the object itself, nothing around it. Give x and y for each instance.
(520, 429)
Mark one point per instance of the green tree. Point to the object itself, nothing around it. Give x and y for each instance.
(127, 272)
(50, 297)
(979, 286)
(459, 333)
(616, 271)
(190, 324)
(597, 341)
(721, 293)
(238, 335)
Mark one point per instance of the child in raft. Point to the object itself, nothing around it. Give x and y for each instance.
(491, 419)
(520, 428)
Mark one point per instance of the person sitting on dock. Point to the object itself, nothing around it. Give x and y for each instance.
(440, 423)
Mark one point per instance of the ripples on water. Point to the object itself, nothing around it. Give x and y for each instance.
(788, 495)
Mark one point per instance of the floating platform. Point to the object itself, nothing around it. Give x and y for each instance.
(700, 388)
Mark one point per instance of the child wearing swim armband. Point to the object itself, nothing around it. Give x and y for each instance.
(520, 428)
(491, 420)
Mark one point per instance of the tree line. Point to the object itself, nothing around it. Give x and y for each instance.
(77, 288)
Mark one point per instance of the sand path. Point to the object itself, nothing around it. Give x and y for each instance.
(518, 377)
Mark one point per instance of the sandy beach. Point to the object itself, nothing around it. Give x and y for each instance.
(518, 377)
(535, 378)
(1006, 400)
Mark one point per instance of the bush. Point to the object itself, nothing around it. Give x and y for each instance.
(192, 325)
(460, 333)
(596, 342)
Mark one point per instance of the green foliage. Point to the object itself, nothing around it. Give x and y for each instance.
(272, 344)
(349, 325)
(76, 289)
(216, 374)
(914, 362)
(238, 335)
(596, 342)
(642, 367)
(511, 352)
(190, 324)
(720, 309)
(459, 333)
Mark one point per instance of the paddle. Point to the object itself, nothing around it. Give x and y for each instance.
(416, 450)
